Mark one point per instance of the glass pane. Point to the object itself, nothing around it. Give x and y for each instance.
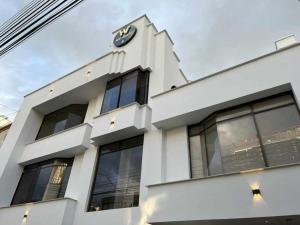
(117, 180)
(74, 120)
(240, 145)
(280, 132)
(41, 184)
(59, 126)
(142, 88)
(128, 89)
(43, 181)
(64, 183)
(214, 159)
(196, 156)
(23, 192)
(55, 181)
(62, 119)
(111, 97)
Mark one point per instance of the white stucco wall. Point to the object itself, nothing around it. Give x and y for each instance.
(165, 149)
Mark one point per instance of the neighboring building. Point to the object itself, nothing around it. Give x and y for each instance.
(126, 140)
(4, 127)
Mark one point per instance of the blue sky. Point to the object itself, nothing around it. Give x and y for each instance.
(209, 35)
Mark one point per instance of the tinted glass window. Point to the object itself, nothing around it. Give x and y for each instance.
(43, 181)
(260, 134)
(280, 134)
(117, 180)
(111, 97)
(128, 90)
(125, 90)
(62, 119)
(240, 145)
(214, 160)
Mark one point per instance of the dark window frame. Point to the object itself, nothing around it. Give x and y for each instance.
(99, 153)
(36, 168)
(206, 120)
(140, 75)
(61, 111)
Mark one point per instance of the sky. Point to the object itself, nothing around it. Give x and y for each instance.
(209, 35)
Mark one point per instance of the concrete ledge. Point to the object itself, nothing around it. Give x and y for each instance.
(52, 212)
(121, 123)
(67, 143)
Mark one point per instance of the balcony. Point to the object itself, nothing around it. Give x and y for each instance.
(227, 197)
(66, 143)
(121, 123)
(196, 100)
(52, 212)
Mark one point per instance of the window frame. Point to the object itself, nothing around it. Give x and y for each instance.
(36, 167)
(252, 113)
(98, 165)
(61, 110)
(140, 73)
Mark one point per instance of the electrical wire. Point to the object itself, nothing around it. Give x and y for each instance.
(25, 21)
(20, 15)
(33, 18)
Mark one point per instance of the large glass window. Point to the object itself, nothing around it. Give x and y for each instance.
(117, 178)
(261, 134)
(132, 87)
(43, 181)
(62, 119)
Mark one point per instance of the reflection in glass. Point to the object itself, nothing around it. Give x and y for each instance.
(43, 181)
(128, 90)
(240, 145)
(214, 159)
(111, 97)
(132, 87)
(196, 156)
(252, 136)
(117, 180)
(280, 133)
(62, 119)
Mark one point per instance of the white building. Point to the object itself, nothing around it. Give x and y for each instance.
(126, 140)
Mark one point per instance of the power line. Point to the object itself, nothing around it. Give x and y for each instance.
(25, 21)
(31, 19)
(12, 19)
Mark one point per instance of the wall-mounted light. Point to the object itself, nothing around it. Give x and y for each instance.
(112, 123)
(256, 192)
(25, 217)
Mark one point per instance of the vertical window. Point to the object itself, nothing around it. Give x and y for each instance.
(117, 178)
(111, 98)
(128, 90)
(43, 181)
(62, 119)
(132, 87)
(240, 145)
(280, 133)
(260, 134)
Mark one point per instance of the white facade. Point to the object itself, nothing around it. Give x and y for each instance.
(168, 195)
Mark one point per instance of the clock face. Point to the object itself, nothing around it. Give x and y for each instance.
(125, 35)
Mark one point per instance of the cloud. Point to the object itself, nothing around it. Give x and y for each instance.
(209, 35)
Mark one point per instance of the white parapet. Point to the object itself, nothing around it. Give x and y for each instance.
(52, 212)
(121, 123)
(67, 143)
